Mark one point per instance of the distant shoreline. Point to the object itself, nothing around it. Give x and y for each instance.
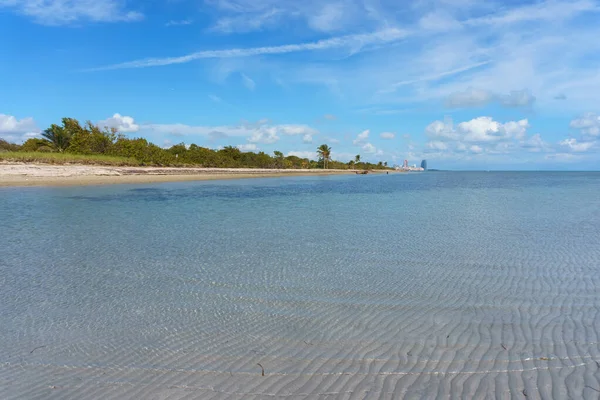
(26, 174)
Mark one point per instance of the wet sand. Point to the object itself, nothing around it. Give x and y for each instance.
(67, 175)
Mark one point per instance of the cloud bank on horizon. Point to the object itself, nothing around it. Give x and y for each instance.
(461, 83)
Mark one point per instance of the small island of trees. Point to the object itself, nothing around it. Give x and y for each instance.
(71, 142)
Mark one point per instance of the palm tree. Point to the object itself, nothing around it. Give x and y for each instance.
(324, 153)
(58, 136)
(357, 159)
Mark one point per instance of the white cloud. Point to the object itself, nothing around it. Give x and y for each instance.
(248, 82)
(265, 135)
(251, 15)
(483, 136)
(297, 130)
(387, 135)
(62, 12)
(179, 22)
(542, 47)
(369, 148)
(361, 138)
(439, 21)
(517, 98)
(355, 42)
(563, 157)
(311, 155)
(259, 132)
(215, 98)
(543, 11)
(575, 146)
(17, 131)
(469, 98)
(472, 97)
(307, 138)
(476, 149)
(588, 124)
(535, 144)
(122, 123)
(436, 145)
(328, 18)
(247, 22)
(434, 77)
(481, 129)
(516, 129)
(247, 147)
(11, 125)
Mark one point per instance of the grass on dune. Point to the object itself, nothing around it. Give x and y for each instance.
(66, 158)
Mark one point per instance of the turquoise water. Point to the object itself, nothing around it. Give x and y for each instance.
(433, 285)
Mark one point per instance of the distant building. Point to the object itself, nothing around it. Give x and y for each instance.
(424, 165)
(408, 168)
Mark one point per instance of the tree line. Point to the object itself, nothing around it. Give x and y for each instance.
(89, 139)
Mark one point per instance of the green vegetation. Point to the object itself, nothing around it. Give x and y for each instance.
(324, 153)
(65, 158)
(89, 144)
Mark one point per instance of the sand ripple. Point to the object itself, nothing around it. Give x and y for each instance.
(485, 299)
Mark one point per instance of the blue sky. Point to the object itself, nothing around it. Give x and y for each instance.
(463, 83)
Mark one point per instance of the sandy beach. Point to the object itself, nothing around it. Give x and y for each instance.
(19, 174)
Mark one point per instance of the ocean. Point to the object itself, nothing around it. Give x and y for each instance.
(468, 285)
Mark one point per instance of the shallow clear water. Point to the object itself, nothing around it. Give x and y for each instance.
(434, 285)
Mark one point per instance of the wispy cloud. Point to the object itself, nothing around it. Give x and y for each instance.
(246, 22)
(238, 16)
(360, 40)
(63, 12)
(248, 82)
(542, 11)
(435, 77)
(179, 22)
(472, 97)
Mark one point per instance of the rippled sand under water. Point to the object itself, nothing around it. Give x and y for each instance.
(438, 285)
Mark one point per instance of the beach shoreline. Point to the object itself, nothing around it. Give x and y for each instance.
(28, 174)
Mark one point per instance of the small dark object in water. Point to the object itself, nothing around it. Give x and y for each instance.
(39, 347)
(503, 346)
(261, 367)
(362, 172)
(597, 364)
(524, 392)
(447, 336)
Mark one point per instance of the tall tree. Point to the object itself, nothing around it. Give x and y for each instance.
(278, 159)
(357, 159)
(324, 153)
(58, 136)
